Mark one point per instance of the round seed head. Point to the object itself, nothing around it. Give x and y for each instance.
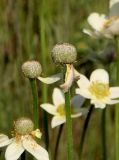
(64, 53)
(31, 69)
(24, 126)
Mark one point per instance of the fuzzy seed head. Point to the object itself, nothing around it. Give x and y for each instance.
(31, 69)
(23, 126)
(64, 53)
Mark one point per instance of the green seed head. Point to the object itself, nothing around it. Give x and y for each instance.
(31, 69)
(24, 126)
(64, 53)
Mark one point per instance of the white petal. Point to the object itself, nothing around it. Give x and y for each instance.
(77, 101)
(58, 97)
(89, 32)
(114, 92)
(100, 75)
(84, 92)
(98, 104)
(36, 150)
(112, 101)
(114, 8)
(14, 150)
(49, 108)
(69, 78)
(51, 79)
(57, 120)
(96, 21)
(82, 111)
(113, 28)
(4, 140)
(83, 82)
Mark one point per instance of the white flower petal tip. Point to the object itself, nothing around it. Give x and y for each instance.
(37, 133)
(114, 7)
(81, 112)
(114, 92)
(14, 150)
(100, 75)
(96, 21)
(36, 150)
(57, 120)
(58, 97)
(51, 79)
(4, 140)
(49, 108)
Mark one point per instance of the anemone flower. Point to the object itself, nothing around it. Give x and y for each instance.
(23, 139)
(102, 25)
(97, 89)
(57, 109)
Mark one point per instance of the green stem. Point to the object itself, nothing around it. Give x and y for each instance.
(42, 25)
(57, 142)
(103, 125)
(117, 106)
(84, 131)
(68, 127)
(35, 102)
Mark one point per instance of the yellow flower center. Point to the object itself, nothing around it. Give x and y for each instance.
(61, 110)
(99, 90)
(110, 20)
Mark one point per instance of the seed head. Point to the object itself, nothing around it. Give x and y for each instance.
(64, 53)
(31, 69)
(23, 126)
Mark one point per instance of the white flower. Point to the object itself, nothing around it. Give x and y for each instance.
(97, 89)
(102, 25)
(21, 142)
(57, 109)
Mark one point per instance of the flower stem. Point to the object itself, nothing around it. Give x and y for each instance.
(103, 125)
(57, 142)
(35, 102)
(68, 127)
(117, 106)
(44, 50)
(84, 131)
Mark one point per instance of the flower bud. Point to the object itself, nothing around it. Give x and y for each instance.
(24, 126)
(64, 53)
(31, 69)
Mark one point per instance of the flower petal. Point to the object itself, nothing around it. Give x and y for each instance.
(100, 75)
(51, 79)
(114, 92)
(77, 101)
(57, 120)
(112, 101)
(98, 104)
(114, 8)
(36, 150)
(58, 97)
(69, 78)
(49, 108)
(83, 82)
(96, 21)
(4, 140)
(84, 92)
(82, 111)
(14, 150)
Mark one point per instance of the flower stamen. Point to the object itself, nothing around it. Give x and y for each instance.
(99, 90)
